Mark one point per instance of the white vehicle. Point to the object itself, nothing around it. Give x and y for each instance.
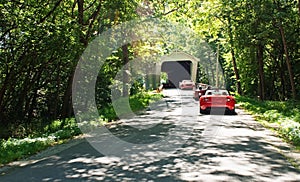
(186, 84)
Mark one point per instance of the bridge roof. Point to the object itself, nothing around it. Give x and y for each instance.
(179, 56)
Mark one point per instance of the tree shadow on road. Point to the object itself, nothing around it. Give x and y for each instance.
(242, 158)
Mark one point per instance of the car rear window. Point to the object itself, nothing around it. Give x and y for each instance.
(217, 92)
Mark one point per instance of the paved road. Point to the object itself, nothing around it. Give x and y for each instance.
(169, 142)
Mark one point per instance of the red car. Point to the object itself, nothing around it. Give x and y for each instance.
(198, 93)
(200, 90)
(217, 100)
(186, 84)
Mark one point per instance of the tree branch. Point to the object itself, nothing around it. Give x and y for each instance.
(90, 5)
(92, 19)
(50, 12)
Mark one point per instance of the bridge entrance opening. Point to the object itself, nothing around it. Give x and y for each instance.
(176, 71)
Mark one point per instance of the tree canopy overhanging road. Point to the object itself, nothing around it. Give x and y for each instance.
(251, 47)
(41, 45)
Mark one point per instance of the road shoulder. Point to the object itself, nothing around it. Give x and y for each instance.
(287, 150)
(41, 155)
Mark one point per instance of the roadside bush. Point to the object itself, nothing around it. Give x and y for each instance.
(108, 113)
(58, 131)
(136, 102)
(68, 126)
(14, 149)
(272, 115)
(285, 114)
(291, 130)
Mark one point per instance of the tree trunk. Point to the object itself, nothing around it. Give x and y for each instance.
(260, 50)
(288, 62)
(217, 66)
(236, 71)
(67, 103)
(283, 77)
(279, 66)
(81, 22)
(211, 72)
(299, 7)
(3, 91)
(32, 105)
(125, 70)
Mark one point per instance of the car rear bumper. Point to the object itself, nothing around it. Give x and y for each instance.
(186, 87)
(210, 107)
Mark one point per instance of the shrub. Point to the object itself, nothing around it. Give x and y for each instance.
(59, 130)
(272, 115)
(136, 103)
(290, 130)
(285, 114)
(13, 149)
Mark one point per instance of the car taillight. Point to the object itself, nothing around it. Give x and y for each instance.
(206, 99)
(228, 100)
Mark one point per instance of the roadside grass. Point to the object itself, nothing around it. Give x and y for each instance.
(136, 103)
(60, 131)
(281, 116)
(21, 147)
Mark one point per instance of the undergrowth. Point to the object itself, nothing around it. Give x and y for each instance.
(282, 116)
(59, 131)
(124, 106)
(17, 148)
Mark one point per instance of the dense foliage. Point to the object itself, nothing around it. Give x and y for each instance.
(259, 44)
(41, 42)
(283, 117)
(15, 148)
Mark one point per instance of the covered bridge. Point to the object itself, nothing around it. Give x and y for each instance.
(177, 66)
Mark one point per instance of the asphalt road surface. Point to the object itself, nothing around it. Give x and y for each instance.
(171, 141)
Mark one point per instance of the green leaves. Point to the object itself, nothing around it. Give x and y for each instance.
(41, 42)
(284, 115)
